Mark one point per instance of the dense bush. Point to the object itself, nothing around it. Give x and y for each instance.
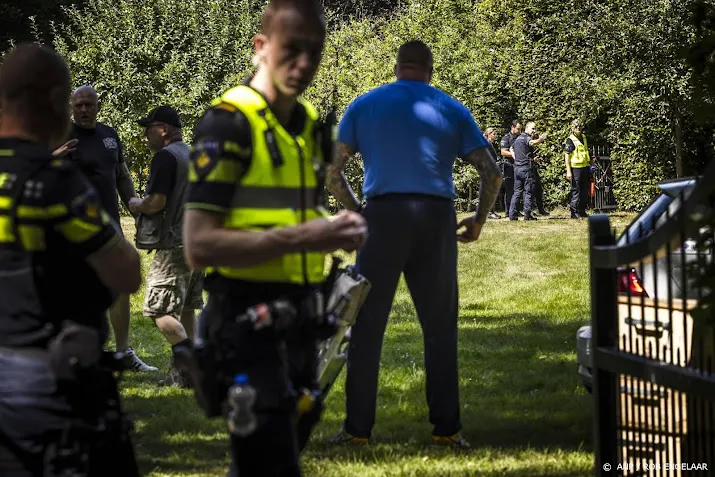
(617, 64)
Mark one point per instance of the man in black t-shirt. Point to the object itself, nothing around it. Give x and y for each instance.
(99, 155)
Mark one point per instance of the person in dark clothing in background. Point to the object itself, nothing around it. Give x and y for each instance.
(507, 162)
(409, 134)
(99, 155)
(537, 192)
(490, 134)
(523, 170)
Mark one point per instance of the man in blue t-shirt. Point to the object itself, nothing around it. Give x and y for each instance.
(409, 135)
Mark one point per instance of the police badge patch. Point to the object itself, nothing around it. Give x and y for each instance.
(205, 156)
(88, 208)
(110, 143)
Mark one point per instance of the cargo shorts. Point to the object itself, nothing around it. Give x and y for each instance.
(171, 286)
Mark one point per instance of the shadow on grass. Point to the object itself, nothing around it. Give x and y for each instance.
(518, 390)
(173, 434)
(518, 387)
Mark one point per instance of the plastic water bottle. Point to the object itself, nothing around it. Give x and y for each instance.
(241, 396)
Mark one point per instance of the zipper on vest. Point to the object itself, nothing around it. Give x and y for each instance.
(303, 212)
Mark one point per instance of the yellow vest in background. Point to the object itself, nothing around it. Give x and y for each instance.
(580, 157)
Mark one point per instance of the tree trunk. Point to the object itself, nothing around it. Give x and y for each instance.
(678, 145)
(469, 203)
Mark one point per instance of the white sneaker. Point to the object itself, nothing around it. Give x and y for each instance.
(134, 363)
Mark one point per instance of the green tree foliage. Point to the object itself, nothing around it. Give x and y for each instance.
(620, 65)
(24, 20)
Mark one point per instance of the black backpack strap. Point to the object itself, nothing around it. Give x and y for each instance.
(276, 156)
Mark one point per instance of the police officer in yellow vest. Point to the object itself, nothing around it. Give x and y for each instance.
(254, 221)
(578, 170)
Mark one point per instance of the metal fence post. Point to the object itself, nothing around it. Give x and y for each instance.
(604, 328)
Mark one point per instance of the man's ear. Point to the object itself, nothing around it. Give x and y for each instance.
(259, 44)
(431, 72)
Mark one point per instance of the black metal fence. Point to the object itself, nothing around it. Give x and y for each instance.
(653, 343)
(602, 198)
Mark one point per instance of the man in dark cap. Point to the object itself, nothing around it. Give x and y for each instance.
(173, 291)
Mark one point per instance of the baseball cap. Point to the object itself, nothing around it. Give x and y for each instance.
(162, 114)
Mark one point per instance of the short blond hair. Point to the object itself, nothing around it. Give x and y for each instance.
(488, 131)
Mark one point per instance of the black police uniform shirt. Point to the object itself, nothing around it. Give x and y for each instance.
(223, 126)
(99, 155)
(61, 222)
(523, 151)
(507, 141)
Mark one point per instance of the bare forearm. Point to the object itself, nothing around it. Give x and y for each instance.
(338, 185)
(336, 182)
(125, 184)
(125, 187)
(484, 161)
(221, 247)
(150, 205)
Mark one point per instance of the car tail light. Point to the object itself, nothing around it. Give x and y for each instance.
(628, 282)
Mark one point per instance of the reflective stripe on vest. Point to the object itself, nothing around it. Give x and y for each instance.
(279, 189)
(580, 157)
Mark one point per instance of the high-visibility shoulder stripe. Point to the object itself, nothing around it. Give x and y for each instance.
(30, 212)
(205, 206)
(78, 231)
(224, 171)
(32, 237)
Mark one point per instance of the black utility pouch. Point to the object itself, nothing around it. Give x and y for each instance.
(149, 231)
(73, 351)
(199, 363)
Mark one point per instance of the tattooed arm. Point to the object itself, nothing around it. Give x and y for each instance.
(485, 161)
(336, 182)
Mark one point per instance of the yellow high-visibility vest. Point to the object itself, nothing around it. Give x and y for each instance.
(580, 157)
(279, 189)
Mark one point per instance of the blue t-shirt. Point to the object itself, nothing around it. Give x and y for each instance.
(409, 135)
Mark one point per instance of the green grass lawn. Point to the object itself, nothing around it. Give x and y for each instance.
(524, 291)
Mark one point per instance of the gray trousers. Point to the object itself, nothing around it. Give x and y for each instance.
(414, 234)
